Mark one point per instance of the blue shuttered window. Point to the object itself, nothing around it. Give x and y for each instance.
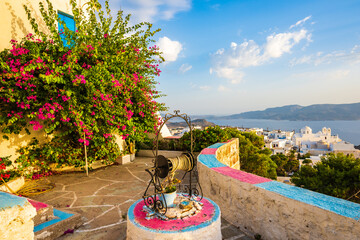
(70, 24)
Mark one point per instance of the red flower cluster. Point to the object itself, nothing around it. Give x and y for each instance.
(3, 167)
(5, 176)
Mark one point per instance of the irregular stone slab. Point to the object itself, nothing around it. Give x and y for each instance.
(63, 222)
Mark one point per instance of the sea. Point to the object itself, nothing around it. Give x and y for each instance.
(348, 131)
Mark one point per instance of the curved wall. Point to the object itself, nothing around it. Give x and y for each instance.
(272, 209)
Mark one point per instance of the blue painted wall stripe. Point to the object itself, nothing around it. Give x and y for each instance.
(8, 200)
(333, 204)
(210, 161)
(60, 217)
(216, 145)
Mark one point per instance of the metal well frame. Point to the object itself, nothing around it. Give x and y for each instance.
(193, 190)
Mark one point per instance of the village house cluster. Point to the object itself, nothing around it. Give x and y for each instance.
(315, 145)
(305, 142)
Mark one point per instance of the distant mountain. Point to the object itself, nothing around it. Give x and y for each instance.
(198, 122)
(317, 112)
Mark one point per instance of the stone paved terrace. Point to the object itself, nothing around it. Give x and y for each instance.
(104, 197)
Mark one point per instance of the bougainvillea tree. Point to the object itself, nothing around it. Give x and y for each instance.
(97, 83)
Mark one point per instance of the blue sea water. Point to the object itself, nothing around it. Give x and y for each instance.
(347, 130)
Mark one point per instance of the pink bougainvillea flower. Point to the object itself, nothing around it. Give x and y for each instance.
(107, 135)
(65, 119)
(65, 98)
(37, 125)
(32, 97)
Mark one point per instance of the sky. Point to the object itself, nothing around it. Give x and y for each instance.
(227, 57)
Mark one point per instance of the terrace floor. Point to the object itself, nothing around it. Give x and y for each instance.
(104, 197)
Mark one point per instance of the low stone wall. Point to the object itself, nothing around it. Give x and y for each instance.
(15, 185)
(165, 153)
(272, 209)
(11, 146)
(229, 154)
(16, 215)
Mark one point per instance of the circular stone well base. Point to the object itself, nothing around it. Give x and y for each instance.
(203, 226)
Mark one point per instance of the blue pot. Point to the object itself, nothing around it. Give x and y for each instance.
(169, 198)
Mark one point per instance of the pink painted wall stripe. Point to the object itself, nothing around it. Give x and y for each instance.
(209, 151)
(241, 175)
(37, 205)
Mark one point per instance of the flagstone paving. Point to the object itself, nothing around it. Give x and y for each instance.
(104, 197)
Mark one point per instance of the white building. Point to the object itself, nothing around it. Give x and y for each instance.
(342, 146)
(278, 143)
(279, 134)
(258, 131)
(320, 140)
(322, 143)
(279, 146)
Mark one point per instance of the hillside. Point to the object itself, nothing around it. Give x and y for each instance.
(198, 122)
(317, 112)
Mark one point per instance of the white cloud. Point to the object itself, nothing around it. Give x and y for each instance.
(350, 57)
(204, 88)
(152, 10)
(331, 76)
(170, 49)
(233, 45)
(185, 67)
(278, 44)
(234, 75)
(355, 49)
(215, 6)
(228, 63)
(220, 51)
(300, 22)
(302, 60)
(222, 88)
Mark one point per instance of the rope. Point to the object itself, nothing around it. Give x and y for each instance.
(7, 186)
(35, 187)
(181, 163)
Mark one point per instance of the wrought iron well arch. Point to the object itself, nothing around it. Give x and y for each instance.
(152, 200)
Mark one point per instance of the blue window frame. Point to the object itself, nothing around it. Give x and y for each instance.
(70, 24)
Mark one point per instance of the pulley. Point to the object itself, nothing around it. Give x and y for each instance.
(164, 166)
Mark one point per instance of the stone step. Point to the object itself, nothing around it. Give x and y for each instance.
(44, 212)
(62, 223)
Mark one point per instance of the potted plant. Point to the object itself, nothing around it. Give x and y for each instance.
(128, 154)
(168, 187)
(132, 150)
(124, 157)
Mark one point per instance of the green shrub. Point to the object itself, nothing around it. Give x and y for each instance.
(337, 175)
